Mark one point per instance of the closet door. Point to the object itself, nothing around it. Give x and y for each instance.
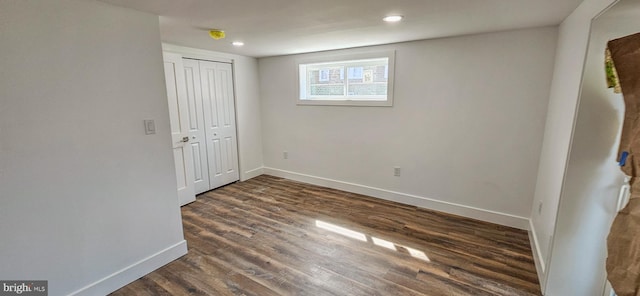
(179, 119)
(220, 122)
(197, 143)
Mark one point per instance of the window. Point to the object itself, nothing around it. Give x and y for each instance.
(353, 80)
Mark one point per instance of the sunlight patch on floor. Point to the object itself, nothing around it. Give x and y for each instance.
(376, 241)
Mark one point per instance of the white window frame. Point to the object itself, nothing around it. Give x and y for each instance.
(302, 80)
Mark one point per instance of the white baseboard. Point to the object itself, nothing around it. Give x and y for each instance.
(134, 271)
(410, 199)
(537, 256)
(252, 174)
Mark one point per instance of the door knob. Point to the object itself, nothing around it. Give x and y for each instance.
(185, 139)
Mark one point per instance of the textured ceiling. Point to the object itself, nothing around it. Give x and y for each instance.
(279, 27)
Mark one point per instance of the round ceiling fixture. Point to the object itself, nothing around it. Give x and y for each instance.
(237, 43)
(216, 34)
(393, 18)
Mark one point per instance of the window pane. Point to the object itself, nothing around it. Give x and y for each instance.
(370, 80)
(326, 81)
(349, 81)
(355, 73)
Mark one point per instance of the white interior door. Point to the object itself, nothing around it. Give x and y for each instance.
(220, 122)
(197, 137)
(178, 114)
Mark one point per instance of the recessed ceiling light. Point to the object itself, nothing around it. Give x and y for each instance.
(393, 18)
(237, 43)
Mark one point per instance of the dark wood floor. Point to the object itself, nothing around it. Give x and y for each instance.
(271, 236)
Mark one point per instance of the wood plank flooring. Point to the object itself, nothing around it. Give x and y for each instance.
(272, 236)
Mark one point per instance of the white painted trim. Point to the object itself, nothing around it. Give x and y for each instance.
(250, 174)
(134, 271)
(409, 199)
(537, 256)
(200, 54)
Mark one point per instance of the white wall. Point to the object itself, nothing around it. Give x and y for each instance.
(593, 179)
(87, 200)
(249, 117)
(247, 100)
(570, 56)
(466, 126)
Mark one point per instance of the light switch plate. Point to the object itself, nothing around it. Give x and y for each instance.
(149, 127)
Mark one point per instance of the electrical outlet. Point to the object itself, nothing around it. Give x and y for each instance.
(540, 208)
(396, 171)
(285, 155)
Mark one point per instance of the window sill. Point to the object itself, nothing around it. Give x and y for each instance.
(361, 103)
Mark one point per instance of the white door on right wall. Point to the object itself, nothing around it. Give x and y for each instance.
(216, 80)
